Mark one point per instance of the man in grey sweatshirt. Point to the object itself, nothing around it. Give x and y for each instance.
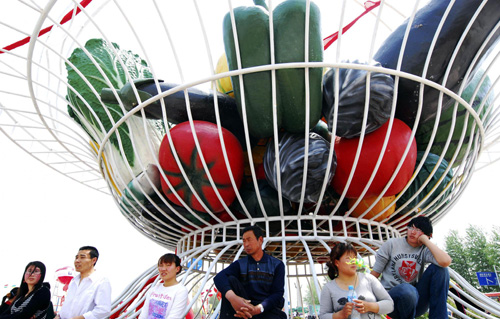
(401, 263)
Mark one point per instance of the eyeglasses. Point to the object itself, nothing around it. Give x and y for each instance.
(34, 272)
(415, 229)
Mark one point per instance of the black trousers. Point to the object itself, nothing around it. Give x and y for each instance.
(227, 311)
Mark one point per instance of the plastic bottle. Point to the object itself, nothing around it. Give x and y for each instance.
(350, 297)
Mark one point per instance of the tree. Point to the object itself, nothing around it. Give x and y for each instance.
(311, 296)
(494, 248)
(476, 243)
(457, 251)
(474, 253)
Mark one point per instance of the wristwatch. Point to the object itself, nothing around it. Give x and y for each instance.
(261, 308)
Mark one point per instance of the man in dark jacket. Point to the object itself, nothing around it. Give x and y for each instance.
(253, 286)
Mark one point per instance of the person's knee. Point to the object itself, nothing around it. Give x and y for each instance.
(438, 270)
(404, 295)
(408, 300)
(237, 287)
(438, 274)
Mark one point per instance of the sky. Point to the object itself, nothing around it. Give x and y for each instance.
(46, 216)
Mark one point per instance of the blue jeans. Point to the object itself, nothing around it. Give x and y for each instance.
(431, 293)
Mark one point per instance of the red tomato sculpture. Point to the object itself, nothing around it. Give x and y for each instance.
(210, 145)
(372, 146)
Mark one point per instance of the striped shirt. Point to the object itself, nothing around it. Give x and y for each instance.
(33, 306)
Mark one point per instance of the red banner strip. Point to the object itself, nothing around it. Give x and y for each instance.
(369, 6)
(65, 19)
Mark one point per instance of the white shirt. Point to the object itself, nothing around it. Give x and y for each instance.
(165, 302)
(91, 298)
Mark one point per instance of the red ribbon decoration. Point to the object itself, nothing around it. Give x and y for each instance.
(369, 6)
(65, 19)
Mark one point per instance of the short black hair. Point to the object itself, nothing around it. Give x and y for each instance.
(94, 253)
(423, 223)
(256, 231)
(169, 259)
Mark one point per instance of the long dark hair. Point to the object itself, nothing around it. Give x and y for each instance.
(338, 251)
(23, 287)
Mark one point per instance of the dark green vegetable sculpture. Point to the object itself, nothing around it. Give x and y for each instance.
(252, 28)
(429, 163)
(352, 97)
(292, 155)
(269, 198)
(482, 103)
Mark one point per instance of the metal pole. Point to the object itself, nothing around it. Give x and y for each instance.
(496, 274)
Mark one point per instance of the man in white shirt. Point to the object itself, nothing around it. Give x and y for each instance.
(89, 293)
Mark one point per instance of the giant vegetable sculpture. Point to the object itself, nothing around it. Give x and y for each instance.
(85, 82)
(190, 157)
(200, 104)
(252, 25)
(481, 103)
(352, 100)
(399, 138)
(204, 177)
(418, 47)
(292, 153)
(427, 185)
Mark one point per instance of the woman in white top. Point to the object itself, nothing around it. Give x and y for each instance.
(373, 299)
(169, 299)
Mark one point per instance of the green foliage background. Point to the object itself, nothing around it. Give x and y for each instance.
(477, 251)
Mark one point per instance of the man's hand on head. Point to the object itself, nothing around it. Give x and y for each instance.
(423, 239)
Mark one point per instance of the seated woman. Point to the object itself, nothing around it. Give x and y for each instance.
(373, 300)
(169, 299)
(33, 298)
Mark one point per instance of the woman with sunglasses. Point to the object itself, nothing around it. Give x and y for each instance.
(372, 301)
(33, 298)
